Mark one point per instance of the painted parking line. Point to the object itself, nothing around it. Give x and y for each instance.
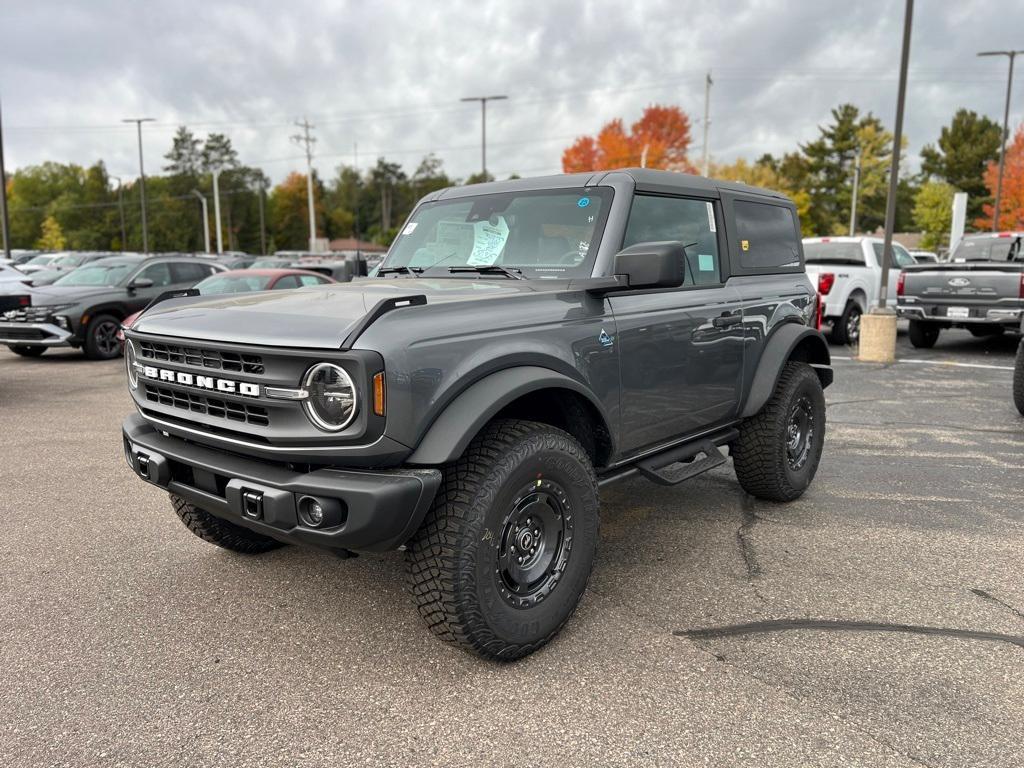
(912, 361)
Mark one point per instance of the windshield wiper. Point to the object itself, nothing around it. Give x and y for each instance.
(491, 269)
(414, 271)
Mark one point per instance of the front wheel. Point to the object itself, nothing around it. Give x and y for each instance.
(27, 350)
(1018, 379)
(778, 450)
(923, 335)
(505, 553)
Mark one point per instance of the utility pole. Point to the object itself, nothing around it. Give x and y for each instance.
(263, 219)
(5, 225)
(120, 210)
(142, 177)
(355, 203)
(216, 208)
(483, 127)
(306, 139)
(856, 187)
(206, 220)
(708, 82)
(1011, 55)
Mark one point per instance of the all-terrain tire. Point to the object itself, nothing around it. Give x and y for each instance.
(1018, 379)
(761, 454)
(101, 338)
(455, 562)
(221, 532)
(846, 329)
(923, 335)
(27, 350)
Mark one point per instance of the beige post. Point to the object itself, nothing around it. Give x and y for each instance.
(878, 336)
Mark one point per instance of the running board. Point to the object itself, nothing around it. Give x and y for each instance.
(679, 464)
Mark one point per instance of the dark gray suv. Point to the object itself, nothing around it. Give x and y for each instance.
(522, 344)
(84, 308)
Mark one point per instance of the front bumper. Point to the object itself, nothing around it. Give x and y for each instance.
(381, 509)
(40, 334)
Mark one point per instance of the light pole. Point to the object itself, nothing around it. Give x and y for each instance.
(856, 188)
(263, 219)
(1005, 136)
(216, 208)
(206, 220)
(142, 177)
(120, 210)
(483, 126)
(5, 226)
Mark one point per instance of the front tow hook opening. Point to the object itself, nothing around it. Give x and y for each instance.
(252, 504)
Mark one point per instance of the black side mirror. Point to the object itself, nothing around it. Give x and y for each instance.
(140, 282)
(651, 265)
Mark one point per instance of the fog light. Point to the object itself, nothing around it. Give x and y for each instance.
(63, 321)
(321, 512)
(315, 513)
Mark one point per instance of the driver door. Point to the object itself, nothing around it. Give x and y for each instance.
(160, 274)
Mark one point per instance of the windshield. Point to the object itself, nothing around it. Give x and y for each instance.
(43, 258)
(232, 284)
(987, 248)
(269, 262)
(109, 274)
(546, 234)
(71, 260)
(834, 253)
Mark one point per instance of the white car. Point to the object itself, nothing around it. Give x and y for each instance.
(848, 273)
(10, 275)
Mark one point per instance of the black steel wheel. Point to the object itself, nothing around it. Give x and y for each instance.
(800, 433)
(101, 338)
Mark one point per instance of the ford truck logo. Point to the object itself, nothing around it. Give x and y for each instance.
(227, 386)
(959, 282)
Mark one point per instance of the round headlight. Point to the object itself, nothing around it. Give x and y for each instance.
(130, 363)
(331, 400)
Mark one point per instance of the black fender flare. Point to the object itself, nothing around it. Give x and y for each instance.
(460, 421)
(788, 339)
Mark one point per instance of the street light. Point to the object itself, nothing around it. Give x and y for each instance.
(120, 209)
(1005, 136)
(142, 177)
(206, 220)
(483, 126)
(216, 209)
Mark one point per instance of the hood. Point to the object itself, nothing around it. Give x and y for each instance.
(316, 316)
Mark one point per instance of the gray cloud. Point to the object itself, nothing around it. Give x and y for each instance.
(388, 74)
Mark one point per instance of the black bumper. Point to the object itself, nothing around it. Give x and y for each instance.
(379, 510)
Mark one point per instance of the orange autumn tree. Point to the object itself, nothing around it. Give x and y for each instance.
(659, 139)
(1011, 203)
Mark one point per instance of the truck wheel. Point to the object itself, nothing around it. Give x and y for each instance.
(923, 335)
(1018, 379)
(779, 448)
(846, 329)
(101, 338)
(982, 330)
(27, 350)
(505, 552)
(221, 532)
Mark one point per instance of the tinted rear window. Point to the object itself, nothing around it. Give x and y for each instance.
(768, 236)
(987, 248)
(834, 253)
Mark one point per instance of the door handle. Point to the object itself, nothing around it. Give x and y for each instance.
(726, 319)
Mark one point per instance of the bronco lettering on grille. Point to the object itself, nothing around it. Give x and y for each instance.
(201, 382)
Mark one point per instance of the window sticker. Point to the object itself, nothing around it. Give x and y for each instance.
(488, 242)
(711, 217)
(409, 228)
(706, 262)
(745, 245)
(583, 202)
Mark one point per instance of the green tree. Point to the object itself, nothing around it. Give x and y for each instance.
(965, 148)
(51, 239)
(289, 213)
(933, 213)
(185, 156)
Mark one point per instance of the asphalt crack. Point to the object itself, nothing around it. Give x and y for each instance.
(746, 545)
(992, 598)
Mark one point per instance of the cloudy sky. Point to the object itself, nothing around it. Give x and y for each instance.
(387, 75)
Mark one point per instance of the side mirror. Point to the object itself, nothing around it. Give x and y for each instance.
(651, 265)
(140, 282)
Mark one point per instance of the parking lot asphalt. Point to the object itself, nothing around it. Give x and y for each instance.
(878, 620)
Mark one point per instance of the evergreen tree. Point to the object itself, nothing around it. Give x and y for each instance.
(965, 148)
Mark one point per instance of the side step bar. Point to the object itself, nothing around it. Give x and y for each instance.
(679, 463)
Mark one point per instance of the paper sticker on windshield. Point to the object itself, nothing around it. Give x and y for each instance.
(745, 245)
(711, 217)
(705, 262)
(409, 228)
(488, 242)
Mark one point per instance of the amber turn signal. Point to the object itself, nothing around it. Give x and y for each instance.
(378, 394)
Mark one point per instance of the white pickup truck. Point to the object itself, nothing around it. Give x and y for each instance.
(848, 273)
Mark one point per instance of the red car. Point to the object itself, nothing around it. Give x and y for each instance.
(244, 281)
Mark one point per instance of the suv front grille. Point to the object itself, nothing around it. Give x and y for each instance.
(27, 315)
(201, 358)
(210, 406)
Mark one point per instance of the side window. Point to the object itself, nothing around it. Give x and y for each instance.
(288, 281)
(311, 280)
(160, 274)
(901, 256)
(691, 222)
(767, 235)
(186, 272)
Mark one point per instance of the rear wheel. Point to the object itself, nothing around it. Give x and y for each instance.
(27, 350)
(983, 330)
(101, 338)
(1018, 379)
(505, 553)
(778, 450)
(923, 335)
(847, 328)
(221, 532)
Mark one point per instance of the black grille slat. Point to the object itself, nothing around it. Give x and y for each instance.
(208, 406)
(198, 357)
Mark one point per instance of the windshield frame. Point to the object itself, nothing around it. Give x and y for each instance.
(584, 268)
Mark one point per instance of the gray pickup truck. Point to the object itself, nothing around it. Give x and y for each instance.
(981, 288)
(522, 344)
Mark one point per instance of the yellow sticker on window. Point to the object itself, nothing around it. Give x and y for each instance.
(745, 245)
